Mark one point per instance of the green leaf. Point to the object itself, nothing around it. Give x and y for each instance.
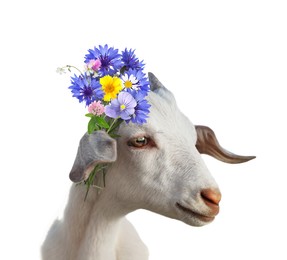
(102, 122)
(90, 181)
(92, 125)
(115, 126)
(89, 115)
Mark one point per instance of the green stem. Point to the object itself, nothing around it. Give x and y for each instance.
(90, 181)
(97, 187)
(70, 66)
(115, 120)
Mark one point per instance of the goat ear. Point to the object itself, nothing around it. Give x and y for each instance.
(207, 144)
(154, 82)
(94, 148)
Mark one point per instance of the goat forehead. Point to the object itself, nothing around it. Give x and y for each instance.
(166, 117)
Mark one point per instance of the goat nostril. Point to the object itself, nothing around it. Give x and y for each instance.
(211, 197)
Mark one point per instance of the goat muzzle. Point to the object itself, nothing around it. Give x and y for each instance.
(211, 197)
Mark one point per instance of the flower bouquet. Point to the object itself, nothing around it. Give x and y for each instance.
(114, 88)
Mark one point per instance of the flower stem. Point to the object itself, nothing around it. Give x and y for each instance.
(111, 126)
(70, 66)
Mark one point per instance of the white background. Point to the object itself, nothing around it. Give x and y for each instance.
(225, 62)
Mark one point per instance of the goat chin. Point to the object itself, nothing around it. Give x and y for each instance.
(193, 218)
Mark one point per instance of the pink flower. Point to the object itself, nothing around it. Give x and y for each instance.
(96, 108)
(94, 64)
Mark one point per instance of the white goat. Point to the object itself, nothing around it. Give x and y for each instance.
(156, 166)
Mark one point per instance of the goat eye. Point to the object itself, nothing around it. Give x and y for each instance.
(138, 142)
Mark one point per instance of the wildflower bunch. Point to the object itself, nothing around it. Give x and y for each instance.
(113, 87)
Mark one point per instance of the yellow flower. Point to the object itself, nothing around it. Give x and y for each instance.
(111, 87)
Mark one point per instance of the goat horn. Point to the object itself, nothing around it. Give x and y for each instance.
(154, 82)
(207, 144)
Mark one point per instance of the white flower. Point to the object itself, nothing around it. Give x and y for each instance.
(130, 82)
(61, 70)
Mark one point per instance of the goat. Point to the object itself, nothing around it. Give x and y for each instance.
(156, 166)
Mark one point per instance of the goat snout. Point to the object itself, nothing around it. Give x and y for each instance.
(211, 198)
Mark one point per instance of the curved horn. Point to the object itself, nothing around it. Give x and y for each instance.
(207, 144)
(154, 82)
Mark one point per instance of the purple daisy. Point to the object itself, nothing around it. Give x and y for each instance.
(141, 110)
(86, 89)
(131, 61)
(109, 57)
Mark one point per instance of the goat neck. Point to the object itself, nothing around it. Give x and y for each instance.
(92, 226)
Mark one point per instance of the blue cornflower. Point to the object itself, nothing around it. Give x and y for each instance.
(123, 106)
(131, 61)
(109, 57)
(86, 89)
(135, 80)
(141, 110)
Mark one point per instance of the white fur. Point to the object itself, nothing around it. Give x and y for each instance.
(155, 178)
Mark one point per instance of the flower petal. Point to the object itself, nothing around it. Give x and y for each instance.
(127, 113)
(127, 99)
(112, 112)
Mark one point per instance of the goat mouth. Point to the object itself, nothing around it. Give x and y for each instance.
(199, 216)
